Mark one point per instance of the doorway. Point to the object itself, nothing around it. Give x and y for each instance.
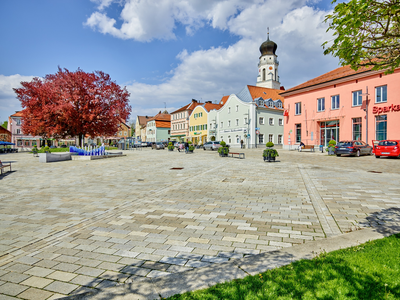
(329, 131)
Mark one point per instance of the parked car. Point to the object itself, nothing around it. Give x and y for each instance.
(158, 146)
(387, 148)
(214, 145)
(63, 146)
(354, 148)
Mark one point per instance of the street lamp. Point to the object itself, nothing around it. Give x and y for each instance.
(365, 108)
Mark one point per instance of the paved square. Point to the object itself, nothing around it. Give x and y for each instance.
(67, 227)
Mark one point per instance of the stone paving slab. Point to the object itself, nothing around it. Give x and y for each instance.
(84, 225)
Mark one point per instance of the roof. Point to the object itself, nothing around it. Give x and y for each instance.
(3, 130)
(160, 117)
(223, 100)
(17, 114)
(163, 124)
(143, 119)
(189, 106)
(209, 106)
(330, 76)
(249, 93)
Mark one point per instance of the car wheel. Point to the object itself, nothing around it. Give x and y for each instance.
(358, 153)
(212, 148)
(204, 148)
(376, 156)
(338, 154)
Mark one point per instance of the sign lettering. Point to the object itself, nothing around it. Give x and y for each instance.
(385, 109)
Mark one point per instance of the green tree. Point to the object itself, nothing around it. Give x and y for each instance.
(366, 34)
(4, 125)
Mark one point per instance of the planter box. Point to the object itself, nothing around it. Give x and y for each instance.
(53, 157)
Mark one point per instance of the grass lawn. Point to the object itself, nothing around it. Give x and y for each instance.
(368, 271)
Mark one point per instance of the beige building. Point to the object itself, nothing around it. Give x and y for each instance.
(140, 127)
(180, 121)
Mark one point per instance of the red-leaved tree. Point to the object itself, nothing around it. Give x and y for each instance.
(71, 104)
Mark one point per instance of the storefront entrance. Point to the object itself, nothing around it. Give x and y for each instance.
(329, 130)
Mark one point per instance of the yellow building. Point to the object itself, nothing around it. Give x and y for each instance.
(198, 121)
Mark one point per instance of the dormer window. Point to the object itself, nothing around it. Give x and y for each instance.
(270, 104)
(260, 102)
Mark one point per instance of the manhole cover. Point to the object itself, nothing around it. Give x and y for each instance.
(374, 172)
(237, 180)
(140, 180)
(176, 168)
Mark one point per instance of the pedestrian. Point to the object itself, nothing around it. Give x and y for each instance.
(301, 146)
(186, 147)
(241, 144)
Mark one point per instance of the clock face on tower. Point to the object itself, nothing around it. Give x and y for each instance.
(270, 68)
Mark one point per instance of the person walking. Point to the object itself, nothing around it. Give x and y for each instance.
(241, 144)
(186, 147)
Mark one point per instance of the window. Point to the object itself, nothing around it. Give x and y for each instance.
(222, 124)
(280, 122)
(245, 121)
(18, 131)
(357, 125)
(34, 143)
(271, 138)
(298, 133)
(280, 139)
(357, 98)
(298, 108)
(261, 120)
(19, 143)
(229, 123)
(237, 122)
(321, 104)
(229, 139)
(229, 110)
(381, 127)
(271, 104)
(381, 94)
(237, 139)
(335, 102)
(26, 143)
(19, 122)
(125, 133)
(261, 139)
(260, 103)
(271, 121)
(237, 108)
(279, 104)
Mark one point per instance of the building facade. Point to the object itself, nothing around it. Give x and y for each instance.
(140, 128)
(254, 116)
(343, 105)
(24, 142)
(158, 128)
(198, 122)
(180, 121)
(5, 135)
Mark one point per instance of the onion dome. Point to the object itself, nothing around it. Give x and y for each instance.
(268, 47)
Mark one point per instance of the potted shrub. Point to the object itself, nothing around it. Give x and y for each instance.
(223, 150)
(170, 146)
(191, 147)
(331, 147)
(270, 153)
(35, 151)
(46, 149)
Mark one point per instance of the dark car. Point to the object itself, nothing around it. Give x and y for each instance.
(387, 148)
(353, 148)
(63, 146)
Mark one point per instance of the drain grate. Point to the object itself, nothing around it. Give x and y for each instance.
(236, 180)
(140, 180)
(176, 168)
(374, 172)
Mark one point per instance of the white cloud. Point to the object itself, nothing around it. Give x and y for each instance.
(9, 104)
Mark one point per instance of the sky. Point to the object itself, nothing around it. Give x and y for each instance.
(166, 52)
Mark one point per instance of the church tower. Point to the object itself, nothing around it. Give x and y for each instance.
(268, 66)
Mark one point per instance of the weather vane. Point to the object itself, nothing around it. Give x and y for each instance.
(268, 33)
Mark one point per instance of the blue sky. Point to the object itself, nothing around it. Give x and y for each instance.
(165, 51)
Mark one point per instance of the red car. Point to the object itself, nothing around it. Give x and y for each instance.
(387, 148)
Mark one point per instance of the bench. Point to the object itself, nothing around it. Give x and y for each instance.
(3, 166)
(307, 147)
(239, 155)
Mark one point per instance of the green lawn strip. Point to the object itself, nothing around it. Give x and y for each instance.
(368, 271)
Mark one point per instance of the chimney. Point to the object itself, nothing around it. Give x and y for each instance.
(208, 101)
(194, 100)
(282, 88)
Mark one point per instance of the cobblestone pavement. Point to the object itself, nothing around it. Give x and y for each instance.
(72, 226)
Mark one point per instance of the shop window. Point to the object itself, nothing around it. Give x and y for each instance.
(298, 133)
(298, 108)
(357, 129)
(27, 143)
(335, 102)
(381, 127)
(357, 98)
(261, 139)
(19, 143)
(321, 104)
(381, 94)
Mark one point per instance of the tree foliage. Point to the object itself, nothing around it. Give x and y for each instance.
(367, 34)
(4, 125)
(70, 104)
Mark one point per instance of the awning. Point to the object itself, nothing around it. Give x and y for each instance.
(178, 135)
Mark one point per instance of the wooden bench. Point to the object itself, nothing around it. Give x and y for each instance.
(239, 155)
(3, 166)
(307, 147)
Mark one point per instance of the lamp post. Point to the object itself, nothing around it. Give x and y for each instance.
(366, 112)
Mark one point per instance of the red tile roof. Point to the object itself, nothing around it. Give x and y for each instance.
(330, 76)
(265, 93)
(209, 106)
(189, 106)
(17, 114)
(161, 117)
(143, 119)
(163, 124)
(223, 100)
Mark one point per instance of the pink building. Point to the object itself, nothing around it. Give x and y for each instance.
(336, 106)
(24, 142)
